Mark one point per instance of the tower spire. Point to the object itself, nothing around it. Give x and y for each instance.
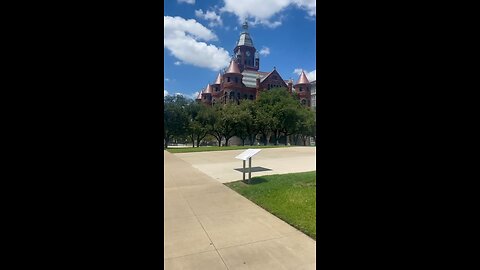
(245, 26)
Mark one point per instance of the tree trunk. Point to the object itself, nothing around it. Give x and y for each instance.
(243, 142)
(219, 142)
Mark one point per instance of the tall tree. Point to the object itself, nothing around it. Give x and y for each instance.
(228, 120)
(175, 118)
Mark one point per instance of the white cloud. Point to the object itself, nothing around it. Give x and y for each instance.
(186, 1)
(309, 5)
(177, 63)
(182, 38)
(167, 79)
(311, 76)
(264, 51)
(213, 18)
(194, 95)
(262, 11)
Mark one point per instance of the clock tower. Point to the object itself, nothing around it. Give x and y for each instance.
(245, 53)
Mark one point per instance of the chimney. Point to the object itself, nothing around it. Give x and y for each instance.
(290, 84)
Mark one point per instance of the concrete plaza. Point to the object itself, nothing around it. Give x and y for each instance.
(209, 226)
(222, 165)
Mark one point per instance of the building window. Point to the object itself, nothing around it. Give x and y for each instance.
(245, 96)
(236, 80)
(251, 97)
(216, 89)
(228, 79)
(245, 62)
(232, 95)
(300, 89)
(238, 95)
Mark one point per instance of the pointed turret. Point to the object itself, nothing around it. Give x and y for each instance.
(219, 79)
(302, 88)
(208, 90)
(303, 79)
(233, 68)
(199, 96)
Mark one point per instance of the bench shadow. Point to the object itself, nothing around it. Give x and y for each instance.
(255, 179)
(254, 169)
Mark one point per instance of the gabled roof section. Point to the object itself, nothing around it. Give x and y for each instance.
(274, 71)
(233, 68)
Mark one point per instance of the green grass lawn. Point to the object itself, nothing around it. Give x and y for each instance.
(217, 148)
(291, 197)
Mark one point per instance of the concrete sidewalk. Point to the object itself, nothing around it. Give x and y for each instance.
(221, 165)
(209, 226)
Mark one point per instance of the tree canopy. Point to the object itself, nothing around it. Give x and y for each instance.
(274, 113)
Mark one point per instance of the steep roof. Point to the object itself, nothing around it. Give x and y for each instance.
(274, 71)
(245, 39)
(219, 79)
(199, 95)
(302, 79)
(208, 90)
(250, 77)
(233, 68)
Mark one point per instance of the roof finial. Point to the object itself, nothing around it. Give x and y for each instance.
(245, 26)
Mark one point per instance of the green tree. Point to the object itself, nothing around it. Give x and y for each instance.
(214, 123)
(306, 125)
(228, 120)
(282, 108)
(198, 122)
(175, 118)
(246, 127)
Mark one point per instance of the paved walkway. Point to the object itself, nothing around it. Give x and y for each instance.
(221, 165)
(209, 226)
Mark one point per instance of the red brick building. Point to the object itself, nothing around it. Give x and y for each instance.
(243, 80)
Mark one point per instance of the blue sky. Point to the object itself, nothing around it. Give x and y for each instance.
(200, 36)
